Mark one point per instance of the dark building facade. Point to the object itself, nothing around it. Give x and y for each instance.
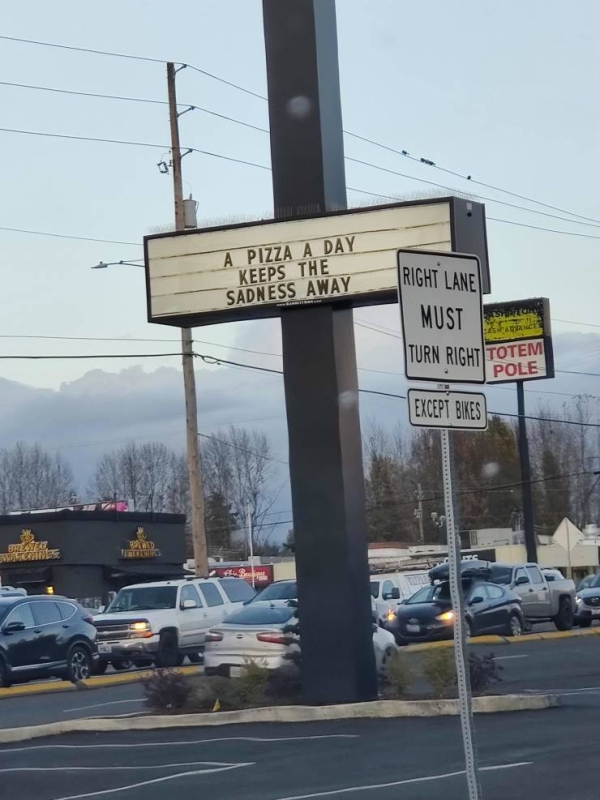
(88, 555)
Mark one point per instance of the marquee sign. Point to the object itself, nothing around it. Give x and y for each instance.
(29, 549)
(518, 341)
(140, 547)
(263, 574)
(349, 257)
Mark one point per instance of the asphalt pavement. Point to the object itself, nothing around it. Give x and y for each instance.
(547, 755)
(569, 667)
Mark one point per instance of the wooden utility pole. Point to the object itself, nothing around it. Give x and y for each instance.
(189, 381)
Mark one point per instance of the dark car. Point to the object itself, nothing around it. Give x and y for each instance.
(42, 636)
(428, 616)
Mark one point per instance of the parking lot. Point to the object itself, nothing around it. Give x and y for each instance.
(410, 759)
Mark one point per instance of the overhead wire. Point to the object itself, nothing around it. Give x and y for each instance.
(404, 153)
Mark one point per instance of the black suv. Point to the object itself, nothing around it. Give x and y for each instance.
(42, 636)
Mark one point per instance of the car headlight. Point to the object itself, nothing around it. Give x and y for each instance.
(578, 599)
(389, 615)
(447, 616)
(140, 627)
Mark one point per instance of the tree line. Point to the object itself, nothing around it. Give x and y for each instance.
(404, 492)
(404, 479)
(238, 484)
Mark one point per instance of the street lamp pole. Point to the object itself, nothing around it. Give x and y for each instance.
(189, 380)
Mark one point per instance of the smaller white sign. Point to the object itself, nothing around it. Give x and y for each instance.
(442, 317)
(428, 408)
(515, 361)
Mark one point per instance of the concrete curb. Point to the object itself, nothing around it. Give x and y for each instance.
(378, 709)
(99, 682)
(502, 640)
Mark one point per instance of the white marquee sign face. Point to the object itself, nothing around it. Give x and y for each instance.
(249, 271)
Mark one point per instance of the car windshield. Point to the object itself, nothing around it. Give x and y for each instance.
(432, 594)
(375, 589)
(147, 598)
(501, 575)
(261, 615)
(278, 591)
(595, 582)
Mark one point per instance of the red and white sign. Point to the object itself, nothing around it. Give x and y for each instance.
(263, 574)
(515, 361)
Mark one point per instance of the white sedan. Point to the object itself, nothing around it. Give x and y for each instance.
(256, 633)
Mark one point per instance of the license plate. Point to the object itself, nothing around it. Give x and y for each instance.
(413, 628)
(103, 647)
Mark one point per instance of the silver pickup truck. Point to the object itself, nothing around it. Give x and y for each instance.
(543, 598)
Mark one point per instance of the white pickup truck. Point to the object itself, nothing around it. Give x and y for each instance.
(163, 622)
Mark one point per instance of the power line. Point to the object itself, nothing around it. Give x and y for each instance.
(243, 450)
(482, 197)
(81, 356)
(433, 165)
(163, 147)
(129, 99)
(67, 236)
(404, 153)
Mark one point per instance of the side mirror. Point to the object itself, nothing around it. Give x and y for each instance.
(395, 593)
(522, 580)
(189, 604)
(475, 600)
(13, 627)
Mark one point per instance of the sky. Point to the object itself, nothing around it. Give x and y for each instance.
(504, 92)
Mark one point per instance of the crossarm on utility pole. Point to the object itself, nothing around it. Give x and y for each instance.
(189, 381)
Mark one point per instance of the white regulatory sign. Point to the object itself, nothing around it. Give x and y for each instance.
(428, 408)
(442, 317)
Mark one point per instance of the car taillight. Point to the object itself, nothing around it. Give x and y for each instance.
(271, 638)
(214, 636)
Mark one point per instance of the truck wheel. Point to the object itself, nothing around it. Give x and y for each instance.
(469, 631)
(168, 651)
(195, 658)
(515, 628)
(100, 668)
(564, 619)
(119, 666)
(584, 623)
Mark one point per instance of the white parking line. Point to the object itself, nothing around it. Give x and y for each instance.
(424, 779)
(139, 767)
(122, 745)
(101, 705)
(118, 789)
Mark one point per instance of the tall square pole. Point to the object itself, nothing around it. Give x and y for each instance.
(321, 385)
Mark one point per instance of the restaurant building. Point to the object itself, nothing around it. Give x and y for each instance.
(89, 555)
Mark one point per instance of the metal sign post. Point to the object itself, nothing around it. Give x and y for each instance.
(460, 644)
(442, 321)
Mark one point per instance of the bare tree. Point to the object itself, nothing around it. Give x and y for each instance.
(32, 478)
(238, 466)
(151, 475)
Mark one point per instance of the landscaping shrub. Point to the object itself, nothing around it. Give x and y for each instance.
(252, 684)
(166, 690)
(213, 693)
(484, 672)
(397, 674)
(438, 666)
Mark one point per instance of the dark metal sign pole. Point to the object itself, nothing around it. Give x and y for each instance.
(321, 385)
(527, 493)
